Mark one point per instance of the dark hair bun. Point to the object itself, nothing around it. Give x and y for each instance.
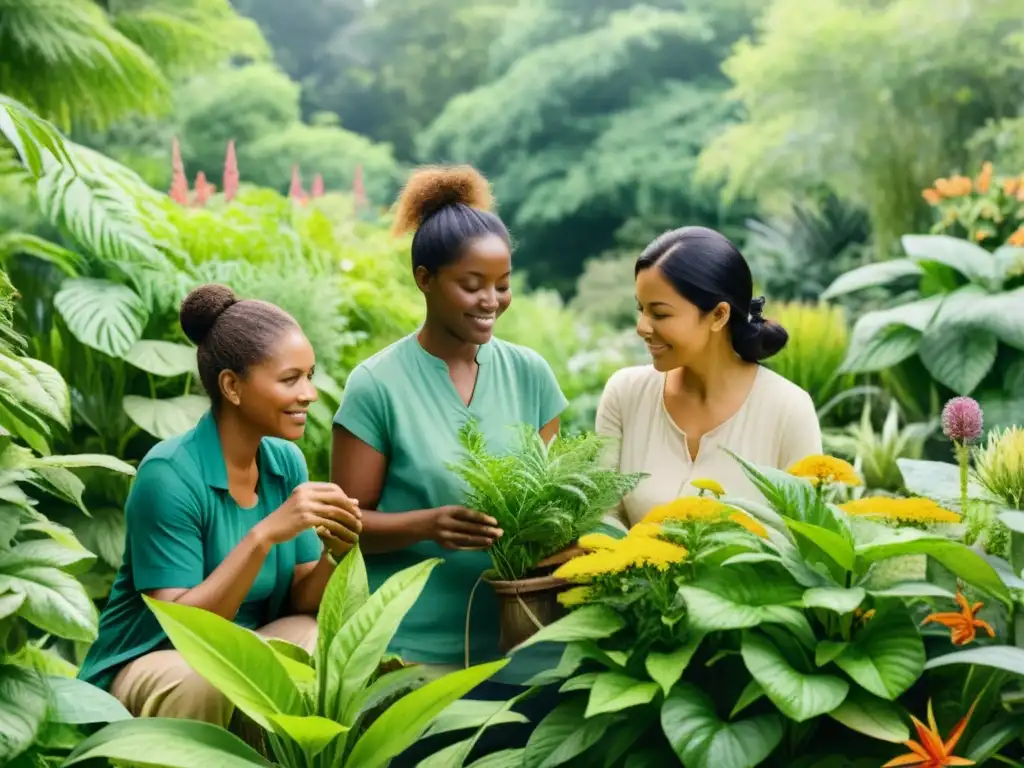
(432, 188)
(759, 340)
(202, 307)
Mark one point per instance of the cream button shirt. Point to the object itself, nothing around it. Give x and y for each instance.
(776, 426)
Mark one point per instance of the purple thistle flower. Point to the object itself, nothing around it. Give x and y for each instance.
(962, 420)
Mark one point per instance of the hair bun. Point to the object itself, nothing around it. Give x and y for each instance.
(432, 188)
(201, 308)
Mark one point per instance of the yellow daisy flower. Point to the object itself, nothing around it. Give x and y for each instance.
(648, 530)
(627, 553)
(597, 541)
(916, 510)
(825, 469)
(746, 521)
(575, 596)
(709, 485)
(688, 508)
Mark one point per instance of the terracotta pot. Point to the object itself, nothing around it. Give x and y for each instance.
(524, 603)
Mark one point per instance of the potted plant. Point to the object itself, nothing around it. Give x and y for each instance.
(544, 497)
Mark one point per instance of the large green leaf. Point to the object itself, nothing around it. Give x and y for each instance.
(792, 497)
(234, 660)
(872, 716)
(347, 591)
(884, 338)
(103, 532)
(834, 545)
(472, 713)
(886, 657)
(870, 276)
(957, 355)
(37, 141)
(797, 695)
(66, 261)
(46, 553)
(355, 652)
(591, 622)
(667, 668)
(970, 260)
(836, 599)
(85, 460)
(77, 702)
(939, 481)
(167, 417)
(162, 358)
(34, 397)
(23, 703)
(565, 734)
(159, 742)
(403, 722)
(615, 691)
(1008, 658)
(105, 316)
(701, 740)
(743, 596)
(958, 558)
(311, 732)
(61, 483)
(54, 601)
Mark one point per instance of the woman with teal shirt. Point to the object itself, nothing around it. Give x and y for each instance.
(396, 431)
(223, 517)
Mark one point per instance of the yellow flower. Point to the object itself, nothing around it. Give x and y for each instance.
(575, 596)
(746, 521)
(688, 508)
(627, 553)
(709, 485)
(597, 541)
(914, 510)
(648, 530)
(825, 469)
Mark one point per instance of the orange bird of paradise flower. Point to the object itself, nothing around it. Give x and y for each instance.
(962, 624)
(931, 751)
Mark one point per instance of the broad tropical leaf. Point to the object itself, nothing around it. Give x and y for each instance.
(591, 622)
(76, 702)
(970, 260)
(34, 139)
(701, 740)
(870, 276)
(105, 316)
(356, 650)
(54, 601)
(667, 668)
(565, 734)
(23, 703)
(886, 657)
(347, 591)
(162, 358)
(615, 691)
(167, 417)
(797, 695)
(403, 722)
(872, 716)
(234, 660)
(181, 744)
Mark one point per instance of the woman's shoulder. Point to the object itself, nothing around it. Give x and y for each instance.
(633, 381)
(517, 354)
(775, 388)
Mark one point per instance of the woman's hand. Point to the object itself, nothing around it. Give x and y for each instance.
(455, 527)
(314, 505)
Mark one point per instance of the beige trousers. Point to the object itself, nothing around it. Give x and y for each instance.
(162, 684)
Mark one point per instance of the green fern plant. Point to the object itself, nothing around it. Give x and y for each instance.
(544, 496)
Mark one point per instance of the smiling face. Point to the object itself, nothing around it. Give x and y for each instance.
(674, 329)
(274, 395)
(466, 297)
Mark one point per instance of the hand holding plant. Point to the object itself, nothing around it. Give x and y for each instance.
(458, 528)
(321, 506)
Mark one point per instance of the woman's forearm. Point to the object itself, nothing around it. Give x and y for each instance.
(307, 593)
(224, 590)
(391, 531)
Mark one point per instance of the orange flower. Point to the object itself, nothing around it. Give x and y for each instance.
(1017, 238)
(1010, 186)
(931, 752)
(932, 196)
(984, 179)
(957, 186)
(962, 624)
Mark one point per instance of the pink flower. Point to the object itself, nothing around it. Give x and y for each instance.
(962, 420)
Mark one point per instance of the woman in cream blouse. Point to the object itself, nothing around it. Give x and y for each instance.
(705, 390)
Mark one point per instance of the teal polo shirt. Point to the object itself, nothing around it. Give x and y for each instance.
(402, 403)
(182, 523)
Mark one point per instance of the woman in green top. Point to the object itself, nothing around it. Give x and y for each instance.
(223, 517)
(397, 428)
